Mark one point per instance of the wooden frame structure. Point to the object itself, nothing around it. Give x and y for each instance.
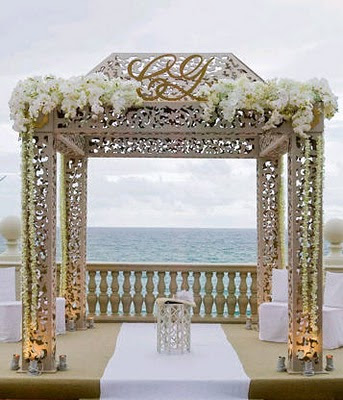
(169, 124)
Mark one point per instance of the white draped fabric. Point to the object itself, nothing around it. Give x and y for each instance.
(212, 370)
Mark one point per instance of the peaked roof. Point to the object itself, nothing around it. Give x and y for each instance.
(174, 76)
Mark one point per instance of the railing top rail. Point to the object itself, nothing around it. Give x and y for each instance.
(168, 266)
(4, 264)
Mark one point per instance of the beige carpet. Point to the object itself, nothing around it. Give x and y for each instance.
(89, 351)
(259, 360)
(87, 355)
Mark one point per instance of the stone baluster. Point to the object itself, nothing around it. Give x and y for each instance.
(126, 297)
(115, 298)
(208, 298)
(196, 293)
(173, 284)
(138, 297)
(243, 298)
(103, 296)
(220, 298)
(184, 284)
(91, 297)
(231, 299)
(253, 297)
(161, 287)
(149, 297)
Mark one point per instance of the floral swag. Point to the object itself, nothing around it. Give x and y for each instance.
(278, 100)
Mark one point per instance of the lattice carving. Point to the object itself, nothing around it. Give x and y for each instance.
(182, 146)
(302, 342)
(268, 183)
(161, 118)
(174, 76)
(42, 341)
(173, 327)
(76, 215)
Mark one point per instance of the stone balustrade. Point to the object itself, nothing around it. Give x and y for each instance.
(128, 291)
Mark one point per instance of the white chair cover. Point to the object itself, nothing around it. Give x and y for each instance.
(273, 316)
(7, 284)
(10, 319)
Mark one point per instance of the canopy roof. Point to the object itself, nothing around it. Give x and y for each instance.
(180, 70)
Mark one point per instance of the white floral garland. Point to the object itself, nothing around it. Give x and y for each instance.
(29, 257)
(318, 187)
(281, 210)
(278, 100)
(64, 231)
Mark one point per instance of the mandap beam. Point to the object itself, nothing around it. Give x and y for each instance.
(268, 235)
(41, 343)
(303, 342)
(75, 184)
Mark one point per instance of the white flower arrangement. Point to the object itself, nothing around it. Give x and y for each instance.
(285, 100)
(41, 95)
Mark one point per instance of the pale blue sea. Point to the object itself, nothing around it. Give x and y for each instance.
(169, 245)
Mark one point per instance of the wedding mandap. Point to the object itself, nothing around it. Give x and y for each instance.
(195, 106)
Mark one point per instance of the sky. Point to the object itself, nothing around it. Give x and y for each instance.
(298, 39)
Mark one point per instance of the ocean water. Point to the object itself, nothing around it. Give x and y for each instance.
(172, 245)
(169, 245)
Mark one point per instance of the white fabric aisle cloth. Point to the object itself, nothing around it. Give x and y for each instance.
(211, 371)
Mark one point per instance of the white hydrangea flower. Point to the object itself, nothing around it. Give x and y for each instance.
(41, 95)
(285, 100)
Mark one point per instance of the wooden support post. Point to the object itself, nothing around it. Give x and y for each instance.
(75, 181)
(41, 342)
(303, 342)
(269, 254)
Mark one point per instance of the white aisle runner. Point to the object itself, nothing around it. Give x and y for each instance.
(212, 371)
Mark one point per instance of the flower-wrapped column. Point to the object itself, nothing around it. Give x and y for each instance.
(39, 249)
(305, 175)
(268, 229)
(73, 227)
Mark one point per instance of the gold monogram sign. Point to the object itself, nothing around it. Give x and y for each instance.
(169, 79)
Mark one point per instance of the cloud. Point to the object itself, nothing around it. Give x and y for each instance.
(299, 39)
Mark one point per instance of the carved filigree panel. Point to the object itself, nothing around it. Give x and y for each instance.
(174, 146)
(303, 343)
(269, 257)
(174, 76)
(42, 340)
(76, 215)
(158, 118)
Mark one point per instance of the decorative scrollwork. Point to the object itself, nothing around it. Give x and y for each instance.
(76, 191)
(167, 79)
(177, 146)
(161, 118)
(268, 183)
(172, 77)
